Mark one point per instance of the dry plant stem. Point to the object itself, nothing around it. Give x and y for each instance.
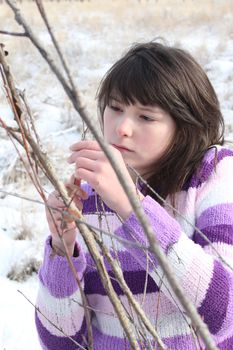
(191, 311)
(12, 132)
(99, 262)
(71, 93)
(53, 324)
(12, 33)
(29, 113)
(119, 276)
(19, 18)
(55, 43)
(15, 103)
(49, 171)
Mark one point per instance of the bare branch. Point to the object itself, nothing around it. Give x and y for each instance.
(52, 323)
(13, 33)
(55, 43)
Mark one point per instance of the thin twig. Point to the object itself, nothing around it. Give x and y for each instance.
(5, 32)
(119, 275)
(31, 118)
(52, 323)
(41, 9)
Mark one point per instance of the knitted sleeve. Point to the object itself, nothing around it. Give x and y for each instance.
(207, 281)
(59, 300)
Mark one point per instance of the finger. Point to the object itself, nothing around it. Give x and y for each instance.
(74, 181)
(75, 191)
(54, 218)
(62, 224)
(85, 153)
(62, 216)
(86, 163)
(88, 176)
(87, 144)
(78, 203)
(55, 202)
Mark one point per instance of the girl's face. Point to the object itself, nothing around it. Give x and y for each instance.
(141, 133)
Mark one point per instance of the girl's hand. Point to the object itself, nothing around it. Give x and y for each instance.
(93, 167)
(60, 224)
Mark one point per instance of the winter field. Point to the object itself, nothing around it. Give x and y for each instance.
(92, 35)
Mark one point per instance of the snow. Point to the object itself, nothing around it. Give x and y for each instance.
(93, 35)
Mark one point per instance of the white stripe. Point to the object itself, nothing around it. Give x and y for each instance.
(225, 250)
(63, 312)
(192, 267)
(112, 224)
(169, 320)
(173, 325)
(219, 190)
(185, 203)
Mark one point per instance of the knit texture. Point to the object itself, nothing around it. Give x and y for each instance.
(206, 201)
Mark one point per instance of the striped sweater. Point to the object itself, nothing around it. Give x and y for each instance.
(206, 201)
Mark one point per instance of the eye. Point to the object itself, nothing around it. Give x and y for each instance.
(146, 118)
(115, 108)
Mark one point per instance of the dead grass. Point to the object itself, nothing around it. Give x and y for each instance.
(93, 14)
(23, 270)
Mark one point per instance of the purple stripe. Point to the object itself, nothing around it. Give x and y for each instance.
(134, 279)
(226, 344)
(216, 215)
(217, 224)
(214, 306)
(52, 342)
(166, 230)
(127, 261)
(180, 342)
(220, 233)
(94, 205)
(207, 166)
(104, 342)
(107, 342)
(56, 274)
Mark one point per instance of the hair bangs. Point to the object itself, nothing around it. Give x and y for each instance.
(121, 83)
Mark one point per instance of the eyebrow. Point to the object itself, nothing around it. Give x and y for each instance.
(115, 98)
(146, 108)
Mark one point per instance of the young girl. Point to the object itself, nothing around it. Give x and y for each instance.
(161, 117)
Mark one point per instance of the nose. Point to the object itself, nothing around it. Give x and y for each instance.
(124, 127)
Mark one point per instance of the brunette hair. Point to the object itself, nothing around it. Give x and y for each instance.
(156, 74)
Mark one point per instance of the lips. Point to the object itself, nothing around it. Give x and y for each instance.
(121, 148)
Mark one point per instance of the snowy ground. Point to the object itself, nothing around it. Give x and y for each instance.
(92, 35)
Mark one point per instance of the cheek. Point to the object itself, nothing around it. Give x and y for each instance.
(106, 127)
(167, 134)
(156, 143)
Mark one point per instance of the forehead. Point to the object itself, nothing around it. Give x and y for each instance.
(135, 103)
